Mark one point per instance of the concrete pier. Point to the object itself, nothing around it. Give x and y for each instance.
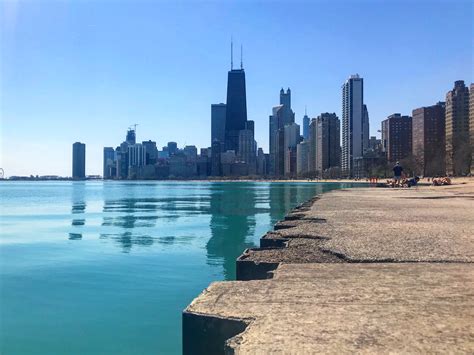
(359, 270)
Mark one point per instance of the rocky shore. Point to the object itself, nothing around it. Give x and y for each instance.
(358, 270)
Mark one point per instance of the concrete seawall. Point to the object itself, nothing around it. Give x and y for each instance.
(359, 270)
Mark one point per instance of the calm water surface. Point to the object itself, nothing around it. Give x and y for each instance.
(107, 267)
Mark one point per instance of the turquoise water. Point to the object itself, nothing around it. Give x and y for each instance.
(107, 267)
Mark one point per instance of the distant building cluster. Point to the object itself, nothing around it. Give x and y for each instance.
(132, 160)
(434, 140)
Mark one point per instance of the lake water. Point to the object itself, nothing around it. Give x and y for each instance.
(108, 267)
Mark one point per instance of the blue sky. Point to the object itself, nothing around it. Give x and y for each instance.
(86, 70)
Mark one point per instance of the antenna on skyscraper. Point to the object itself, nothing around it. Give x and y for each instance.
(305, 113)
(231, 53)
(241, 58)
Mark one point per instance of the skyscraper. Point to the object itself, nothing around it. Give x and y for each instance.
(471, 126)
(354, 123)
(302, 158)
(306, 126)
(218, 112)
(274, 119)
(137, 156)
(205, 152)
(365, 130)
(109, 163)
(327, 142)
(248, 150)
(248, 146)
(375, 145)
(282, 115)
(151, 152)
(280, 152)
(216, 150)
(292, 135)
(136, 160)
(397, 137)
(172, 148)
(131, 136)
(190, 151)
(250, 125)
(122, 161)
(313, 143)
(458, 154)
(291, 140)
(429, 147)
(78, 161)
(261, 163)
(288, 114)
(236, 107)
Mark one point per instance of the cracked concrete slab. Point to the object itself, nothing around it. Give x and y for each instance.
(347, 308)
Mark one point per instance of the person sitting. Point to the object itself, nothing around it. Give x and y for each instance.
(413, 181)
(404, 182)
(441, 181)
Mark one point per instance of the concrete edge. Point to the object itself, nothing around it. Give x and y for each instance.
(247, 270)
(210, 334)
(252, 270)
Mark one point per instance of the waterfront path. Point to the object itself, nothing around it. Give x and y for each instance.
(366, 270)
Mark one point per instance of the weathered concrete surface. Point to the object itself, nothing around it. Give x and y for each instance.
(361, 270)
(346, 308)
(367, 225)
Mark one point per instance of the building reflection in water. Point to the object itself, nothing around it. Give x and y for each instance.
(145, 214)
(127, 213)
(129, 239)
(136, 214)
(75, 236)
(233, 211)
(283, 197)
(78, 209)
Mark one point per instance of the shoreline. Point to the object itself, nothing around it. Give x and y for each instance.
(332, 237)
(423, 182)
(187, 180)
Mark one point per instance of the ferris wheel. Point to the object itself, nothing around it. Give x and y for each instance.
(2, 174)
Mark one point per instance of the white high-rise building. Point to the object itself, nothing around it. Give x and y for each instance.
(354, 123)
(136, 155)
(282, 116)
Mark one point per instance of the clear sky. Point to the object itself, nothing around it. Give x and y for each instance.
(86, 70)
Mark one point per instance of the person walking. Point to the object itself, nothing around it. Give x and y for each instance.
(397, 172)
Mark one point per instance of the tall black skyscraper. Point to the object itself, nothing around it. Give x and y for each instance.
(78, 160)
(236, 108)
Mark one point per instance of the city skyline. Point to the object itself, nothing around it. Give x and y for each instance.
(79, 116)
